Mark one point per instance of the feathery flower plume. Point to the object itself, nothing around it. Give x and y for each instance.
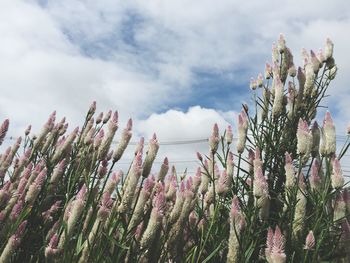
(329, 135)
(13, 243)
(64, 148)
(113, 181)
(269, 245)
(180, 199)
(107, 117)
(277, 253)
(214, 139)
(260, 186)
(107, 140)
(99, 138)
(261, 194)
(124, 141)
(300, 208)
(304, 138)
(99, 118)
(321, 57)
(139, 146)
(289, 170)
(268, 71)
(3, 130)
(337, 177)
(316, 64)
(257, 163)
(46, 129)
(75, 210)
(339, 208)
(92, 110)
(242, 131)
(310, 241)
(35, 187)
(150, 156)
(197, 179)
(281, 44)
(131, 184)
(154, 223)
(164, 168)
(260, 80)
(266, 103)
(229, 134)
(105, 207)
(51, 251)
(316, 135)
(57, 173)
(27, 130)
(47, 215)
(328, 50)
(237, 223)
(315, 180)
(253, 84)
(224, 183)
(145, 194)
(275, 54)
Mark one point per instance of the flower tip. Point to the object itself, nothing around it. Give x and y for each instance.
(129, 125)
(166, 161)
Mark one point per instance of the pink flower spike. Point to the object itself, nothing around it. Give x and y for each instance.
(107, 116)
(235, 208)
(3, 130)
(310, 241)
(229, 134)
(92, 107)
(53, 241)
(27, 131)
(278, 241)
(82, 193)
(99, 118)
(269, 240)
(199, 157)
(16, 210)
(129, 125)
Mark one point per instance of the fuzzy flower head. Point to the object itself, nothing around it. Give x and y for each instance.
(260, 187)
(229, 134)
(113, 122)
(3, 130)
(329, 135)
(223, 183)
(337, 177)
(268, 71)
(289, 170)
(51, 250)
(242, 131)
(310, 241)
(278, 255)
(107, 117)
(105, 207)
(315, 180)
(281, 44)
(304, 138)
(214, 139)
(124, 141)
(19, 233)
(159, 203)
(328, 50)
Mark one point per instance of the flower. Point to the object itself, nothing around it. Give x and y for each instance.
(337, 177)
(310, 241)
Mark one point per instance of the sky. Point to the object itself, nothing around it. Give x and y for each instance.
(176, 67)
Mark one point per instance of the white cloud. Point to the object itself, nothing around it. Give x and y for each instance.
(140, 56)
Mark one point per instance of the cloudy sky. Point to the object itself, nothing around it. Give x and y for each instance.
(175, 66)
